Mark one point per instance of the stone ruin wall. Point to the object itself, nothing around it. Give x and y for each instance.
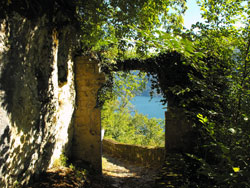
(37, 96)
(38, 101)
(179, 135)
(142, 155)
(86, 145)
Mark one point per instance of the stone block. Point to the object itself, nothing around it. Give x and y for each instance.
(87, 136)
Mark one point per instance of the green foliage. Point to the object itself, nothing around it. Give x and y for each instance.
(103, 25)
(17, 185)
(120, 124)
(216, 96)
(222, 152)
(119, 25)
(63, 159)
(217, 163)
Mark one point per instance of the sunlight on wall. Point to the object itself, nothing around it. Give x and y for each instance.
(35, 110)
(66, 96)
(2, 37)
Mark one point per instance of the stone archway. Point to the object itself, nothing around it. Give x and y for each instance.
(87, 145)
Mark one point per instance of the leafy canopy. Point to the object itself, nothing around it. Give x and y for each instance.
(123, 25)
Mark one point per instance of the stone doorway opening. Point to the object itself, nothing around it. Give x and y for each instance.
(133, 115)
(87, 142)
(131, 135)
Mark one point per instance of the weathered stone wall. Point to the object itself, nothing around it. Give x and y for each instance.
(66, 97)
(35, 118)
(87, 118)
(37, 101)
(148, 156)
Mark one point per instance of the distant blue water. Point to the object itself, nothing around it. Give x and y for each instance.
(151, 107)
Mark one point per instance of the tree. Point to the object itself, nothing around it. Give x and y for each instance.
(224, 41)
(122, 25)
(122, 122)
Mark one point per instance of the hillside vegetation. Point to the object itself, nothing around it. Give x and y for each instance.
(120, 119)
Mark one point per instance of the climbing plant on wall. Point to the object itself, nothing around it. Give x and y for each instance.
(211, 84)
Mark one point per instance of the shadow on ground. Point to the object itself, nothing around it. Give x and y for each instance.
(60, 178)
(125, 174)
(116, 174)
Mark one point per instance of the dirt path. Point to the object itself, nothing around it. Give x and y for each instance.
(122, 174)
(116, 174)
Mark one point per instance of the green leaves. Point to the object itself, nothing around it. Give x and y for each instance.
(223, 13)
(117, 118)
(102, 19)
(202, 119)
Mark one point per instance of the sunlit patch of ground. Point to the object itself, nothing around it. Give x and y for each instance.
(115, 170)
(125, 175)
(116, 174)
